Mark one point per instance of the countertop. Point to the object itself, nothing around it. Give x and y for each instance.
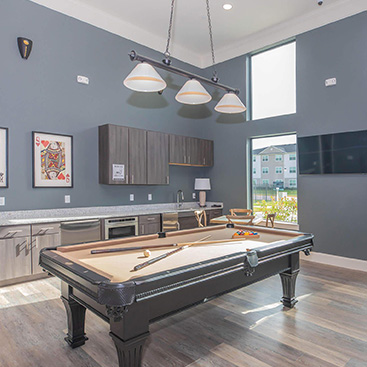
(69, 214)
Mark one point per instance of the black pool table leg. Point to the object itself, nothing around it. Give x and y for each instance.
(129, 331)
(289, 282)
(76, 319)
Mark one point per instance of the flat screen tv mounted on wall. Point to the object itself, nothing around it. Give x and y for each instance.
(333, 153)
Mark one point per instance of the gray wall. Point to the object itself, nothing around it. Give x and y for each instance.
(332, 207)
(42, 94)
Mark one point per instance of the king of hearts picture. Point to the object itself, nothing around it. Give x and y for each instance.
(52, 160)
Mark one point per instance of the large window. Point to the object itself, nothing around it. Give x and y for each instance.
(273, 82)
(275, 187)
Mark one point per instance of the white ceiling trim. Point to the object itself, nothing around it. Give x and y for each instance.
(319, 17)
(286, 30)
(115, 25)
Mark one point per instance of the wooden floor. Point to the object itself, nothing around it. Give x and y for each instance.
(248, 327)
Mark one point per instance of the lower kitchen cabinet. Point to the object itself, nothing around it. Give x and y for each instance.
(149, 224)
(15, 252)
(20, 247)
(43, 235)
(15, 258)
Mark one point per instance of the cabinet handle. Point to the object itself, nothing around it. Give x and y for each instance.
(127, 179)
(189, 160)
(204, 160)
(132, 179)
(167, 178)
(152, 218)
(11, 234)
(184, 159)
(142, 229)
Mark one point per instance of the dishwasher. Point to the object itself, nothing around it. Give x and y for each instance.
(80, 231)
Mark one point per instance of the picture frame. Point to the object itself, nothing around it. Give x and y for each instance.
(52, 160)
(4, 157)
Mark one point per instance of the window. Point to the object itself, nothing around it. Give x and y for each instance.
(278, 181)
(292, 170)
(278, 170)
(278, 157)
(265, 158)
(265, 170)
(254, 171)
(265, 182)
(292, 183)
(292, 157)
(254, 159)
(254, 182)
(273, 81)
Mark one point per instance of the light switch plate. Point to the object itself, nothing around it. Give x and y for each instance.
(194, 195)
(67, 199)
(82, 79)
(150, 197)
(131, 197)
(2, 201)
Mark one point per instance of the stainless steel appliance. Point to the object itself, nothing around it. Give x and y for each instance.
(80, 231)
(170, 222)
(120, 227)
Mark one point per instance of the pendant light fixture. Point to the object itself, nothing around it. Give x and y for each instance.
(230, 103)
(144, 78)
(193, 93)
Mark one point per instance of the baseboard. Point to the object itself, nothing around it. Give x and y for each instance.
(340, 261)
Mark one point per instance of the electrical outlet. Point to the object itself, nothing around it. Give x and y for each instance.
(330, 82)
(194, 195)
(2, 201)
(67, 199)
(82, 79)
(132, 197)
(150, 197)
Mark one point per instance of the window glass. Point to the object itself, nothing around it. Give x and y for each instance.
(265, 182)
(292, 170)
(278, 170)
(292, 157)
(265, 158)
(254, 159)
(278, 157)
(254, 171)
(265, 170)
(273, 81)
(293, 182)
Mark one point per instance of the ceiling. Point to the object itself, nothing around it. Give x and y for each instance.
(250, 25)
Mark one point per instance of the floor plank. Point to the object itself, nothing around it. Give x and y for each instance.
(246, 328)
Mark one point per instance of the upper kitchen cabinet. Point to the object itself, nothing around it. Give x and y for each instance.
(113, 155)
(157, 158)
(138, 156)
(191, 151)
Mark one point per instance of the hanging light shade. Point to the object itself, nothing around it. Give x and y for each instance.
(193, 93)
(144, 78)
(230, 103)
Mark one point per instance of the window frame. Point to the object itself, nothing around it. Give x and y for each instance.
(262, 170)
(249, 81)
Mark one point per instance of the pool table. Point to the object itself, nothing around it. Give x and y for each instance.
(130, 300)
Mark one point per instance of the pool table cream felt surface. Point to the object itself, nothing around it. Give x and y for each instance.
(118, 266)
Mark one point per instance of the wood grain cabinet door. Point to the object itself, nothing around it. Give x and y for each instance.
(206, 152)
(177, 149)
(193, 155)
(138, 156)
(15, 258)
(40, 242)
(113, 150)
(157, 158)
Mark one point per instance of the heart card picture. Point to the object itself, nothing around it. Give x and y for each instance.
(52, 160)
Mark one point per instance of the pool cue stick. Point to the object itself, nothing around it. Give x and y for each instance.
(161, 257)
(122, 249)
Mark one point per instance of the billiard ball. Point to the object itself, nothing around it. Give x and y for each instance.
(147, 253)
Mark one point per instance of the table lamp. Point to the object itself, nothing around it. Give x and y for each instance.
(202, 184)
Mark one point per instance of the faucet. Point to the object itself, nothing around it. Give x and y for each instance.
(180, 198)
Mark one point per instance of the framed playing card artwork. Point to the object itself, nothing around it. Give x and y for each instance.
(52, 160)
(3, 157)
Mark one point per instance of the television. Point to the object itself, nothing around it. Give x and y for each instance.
(333, 153)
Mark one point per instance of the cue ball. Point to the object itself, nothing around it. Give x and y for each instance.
(147, 253)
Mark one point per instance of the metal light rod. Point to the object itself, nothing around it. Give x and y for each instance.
(135, 57)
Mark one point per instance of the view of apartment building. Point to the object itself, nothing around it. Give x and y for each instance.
(275, 166)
